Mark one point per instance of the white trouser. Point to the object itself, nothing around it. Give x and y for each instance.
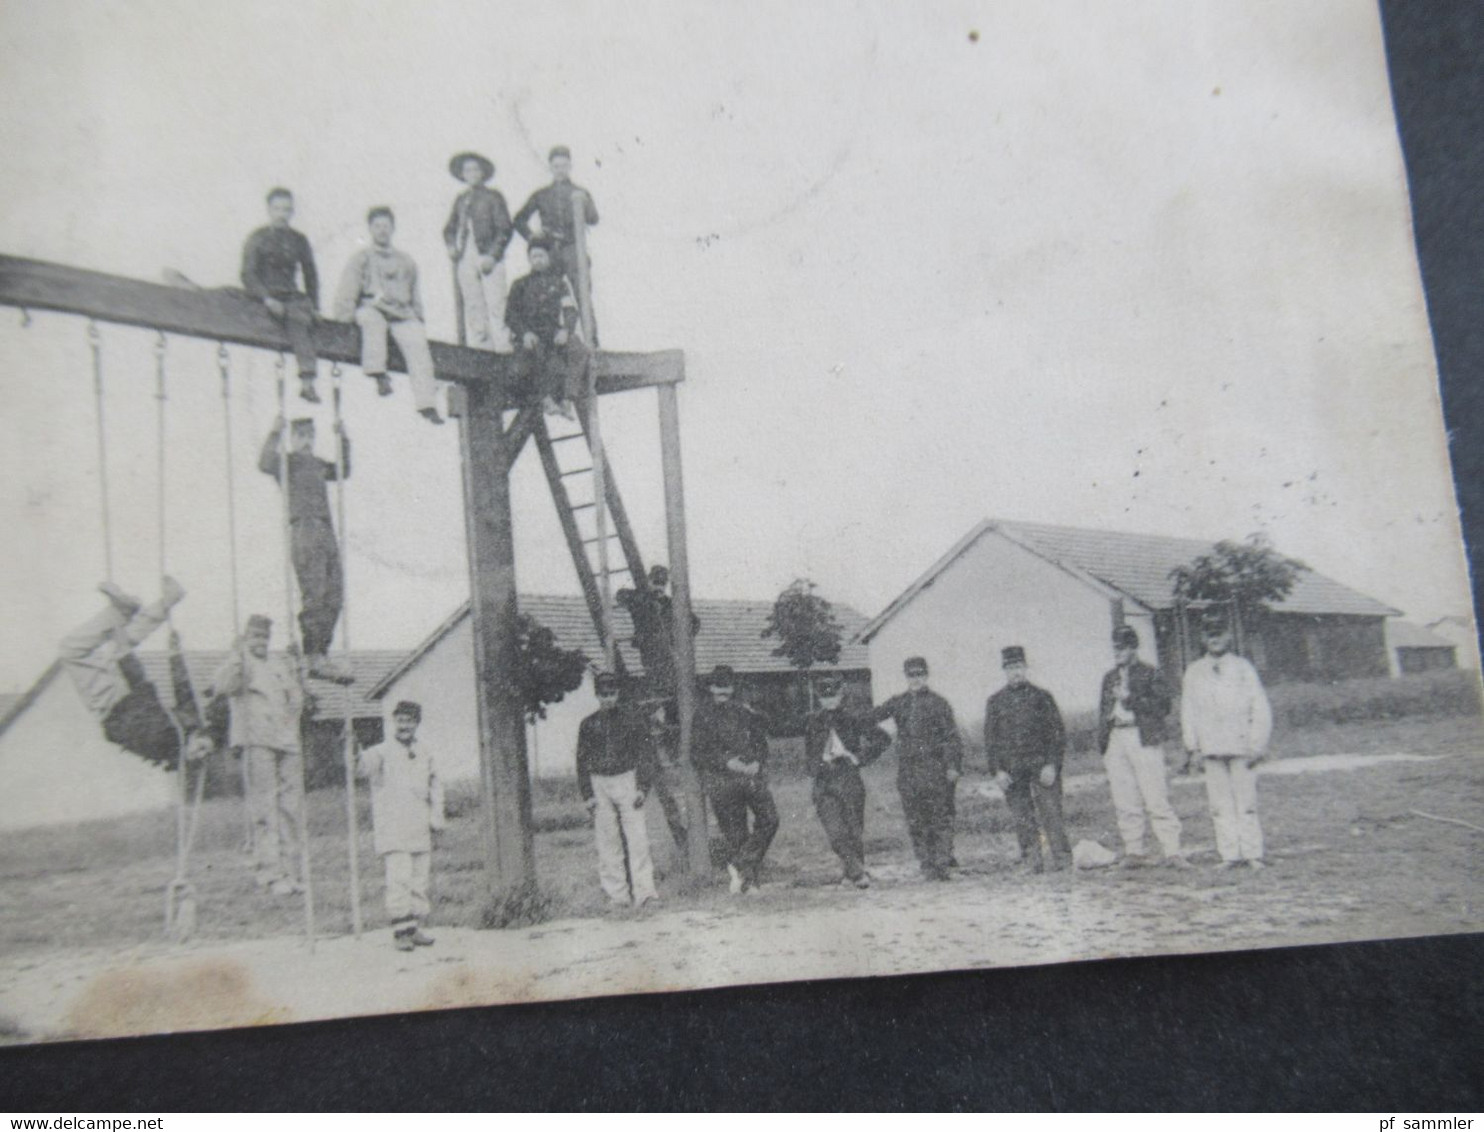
(1231, 789)
(1136, 779)
(484, 302)
(412, 339)
(92, 651)
(618, 824)
(276, 783)
(407, 878)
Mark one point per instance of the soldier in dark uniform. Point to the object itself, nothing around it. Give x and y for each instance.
(729, 747)
(837, 743)
(274, 259)
(930, 759)
(1024, 740)
(541, 314)
(556, 205)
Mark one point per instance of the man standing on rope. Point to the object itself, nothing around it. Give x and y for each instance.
(930, 759)
(837, 743)
(312, 538)
(556, 206)
(99, 657)
(476, 235)
(407, 809)
(379, 291)
(615, 770)
(729, 747)
(267, 699)
(272, 260)
(550, 357)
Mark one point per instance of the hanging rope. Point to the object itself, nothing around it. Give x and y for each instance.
(95, 343)
(279, 368)
(224, 368)
(348, 727)
(25, 319)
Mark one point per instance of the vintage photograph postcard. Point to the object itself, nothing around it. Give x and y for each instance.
(520, 502)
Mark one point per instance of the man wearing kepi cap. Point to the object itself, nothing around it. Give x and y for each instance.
(729, 747)
(837, 743)
(615, 769)
(476, 235)
(930, 759)
(1132, 707)
(1226, 721)
(557, 208)
(406, 810)
(1024, 740)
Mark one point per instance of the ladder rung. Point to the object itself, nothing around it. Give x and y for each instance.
(605, 538)
(581, 506)
(569, 436)
(576, 472)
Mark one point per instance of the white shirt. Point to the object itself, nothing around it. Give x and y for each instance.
(1223, 709)
(406, 796)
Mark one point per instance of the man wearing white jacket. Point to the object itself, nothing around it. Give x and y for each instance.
(1226, 722)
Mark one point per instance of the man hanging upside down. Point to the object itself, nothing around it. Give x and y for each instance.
(99, 656)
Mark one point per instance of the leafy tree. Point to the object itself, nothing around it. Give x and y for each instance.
(1246, 575)
(547, 671)
(805, 626)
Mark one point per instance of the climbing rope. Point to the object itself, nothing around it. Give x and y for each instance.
(224, 368)
(351, 824)
(279, 369)
(95, 343)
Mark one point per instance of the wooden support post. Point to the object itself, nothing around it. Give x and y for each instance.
(685, 644)
(505, 817)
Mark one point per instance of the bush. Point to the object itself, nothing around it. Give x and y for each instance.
(1451, 692)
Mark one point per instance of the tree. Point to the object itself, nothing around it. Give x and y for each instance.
(547, 671)
(805, 626)
(1246, 576)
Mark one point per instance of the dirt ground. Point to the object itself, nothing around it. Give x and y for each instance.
(81, 952)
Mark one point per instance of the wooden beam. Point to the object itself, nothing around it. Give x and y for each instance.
(229, 315)
(520, 430)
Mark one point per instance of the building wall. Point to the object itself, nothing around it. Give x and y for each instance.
(56, 767)
(1410, 661)
(999, 594)
(1460, 632)
(1320, 648)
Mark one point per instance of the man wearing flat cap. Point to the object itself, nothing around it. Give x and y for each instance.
(1024, 741)
(556, 207)
(930, 759)
(729, 746)
(837, 743)
(476, 235)
(1226, 721)
(615, 771)
(406, 810)
(1132, 707)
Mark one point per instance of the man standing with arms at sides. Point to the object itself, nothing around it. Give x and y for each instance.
(312, 543)
(615, 769)
(266, 694)
(556, 206)
(729, 748)
(1025, 739)
(273, 259)
(1132, 707)
(930, 759)
(476, 235)
(837, 744)
(1226, 721)
(406, 811)
(379, 290)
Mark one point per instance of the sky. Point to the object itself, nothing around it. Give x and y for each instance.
(1142, 267)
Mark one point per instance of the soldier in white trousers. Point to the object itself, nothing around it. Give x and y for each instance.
(615, 769)
(1226, 721)
(1132, 709)
(406, 809)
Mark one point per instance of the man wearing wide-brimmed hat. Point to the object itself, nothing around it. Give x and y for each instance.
(729, 746)
(1226, 721)
(476, 235)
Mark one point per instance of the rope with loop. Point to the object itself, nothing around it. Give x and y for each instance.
(348, 732)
